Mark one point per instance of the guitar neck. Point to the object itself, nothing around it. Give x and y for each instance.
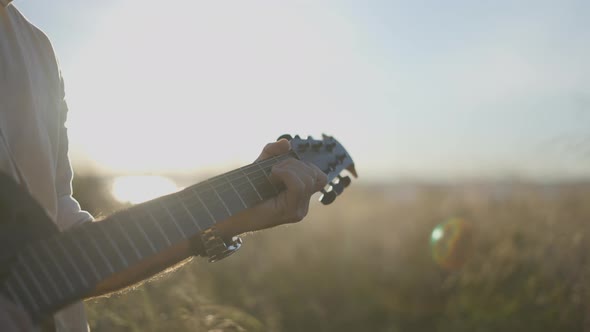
(55, 272)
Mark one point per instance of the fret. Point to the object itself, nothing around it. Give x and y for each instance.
(45, 272)
(231, 199)
(237, 193)
(90, 261)
(90, 238)
(199, 210)
(155, 222)
(249, 195)
(276, 190)
(128, 238)
(53, 270)
(212, 204)
(99, 226)
(219, 197)
(24, 287)
(71, 261)
(146, 238)
(177, 219)
(252, 184)
(13, 295)
(79, 259)
(265, 188)
(199, 216)
(33, 277)
(149, 227)
(245, 189)
(59, 267)
(204, 206)
(188, 207)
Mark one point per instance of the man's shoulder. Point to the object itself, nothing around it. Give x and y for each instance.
(28, 30)
(33, 42)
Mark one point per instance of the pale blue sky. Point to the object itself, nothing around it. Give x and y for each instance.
(419, 89)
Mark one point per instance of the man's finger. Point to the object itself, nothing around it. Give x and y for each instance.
(320, 178)
(309, 173)
(274, 149)
(293, 195)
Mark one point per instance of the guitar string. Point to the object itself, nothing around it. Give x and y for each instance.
(227, 186)
(192, 195)
(196, 189)
(258, 164)
(260, 167)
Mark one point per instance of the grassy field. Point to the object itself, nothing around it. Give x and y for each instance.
(364, 264)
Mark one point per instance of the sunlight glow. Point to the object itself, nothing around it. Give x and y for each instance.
(183, 91)
(175, 86)
(138, 189)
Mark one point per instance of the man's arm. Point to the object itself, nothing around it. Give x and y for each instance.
(69, 212)
(301, 181)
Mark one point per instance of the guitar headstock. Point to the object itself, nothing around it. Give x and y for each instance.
(329, 156)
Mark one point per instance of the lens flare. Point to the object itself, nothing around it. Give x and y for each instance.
(451, 242)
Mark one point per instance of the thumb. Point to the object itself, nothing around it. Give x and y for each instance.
(274, 149)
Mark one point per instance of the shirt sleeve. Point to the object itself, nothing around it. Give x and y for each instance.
(69, 212)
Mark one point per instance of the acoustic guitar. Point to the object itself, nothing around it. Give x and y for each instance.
(43, 270)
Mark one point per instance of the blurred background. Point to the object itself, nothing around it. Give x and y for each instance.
(469, 123)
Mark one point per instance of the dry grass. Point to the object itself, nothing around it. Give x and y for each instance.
(364, 264)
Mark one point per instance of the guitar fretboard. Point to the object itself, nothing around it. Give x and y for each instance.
(52, 273)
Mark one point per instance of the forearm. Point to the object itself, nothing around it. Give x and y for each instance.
(155, 264)
(300, 180)
(143, 270)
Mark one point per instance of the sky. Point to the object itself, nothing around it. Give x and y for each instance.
(412, 89)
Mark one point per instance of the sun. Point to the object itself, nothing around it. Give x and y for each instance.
(162, 88)
(138, 189)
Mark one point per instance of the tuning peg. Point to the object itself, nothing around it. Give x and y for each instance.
(341, 157)
(338, 188)
(303, 146)
(327, 197)
(344, 180)
(285, 136)
(328, 170)
(317, 145)
(330, 146)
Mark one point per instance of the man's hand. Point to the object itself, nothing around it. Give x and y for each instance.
(301, 181)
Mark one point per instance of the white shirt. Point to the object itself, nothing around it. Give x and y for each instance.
(33, 137)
